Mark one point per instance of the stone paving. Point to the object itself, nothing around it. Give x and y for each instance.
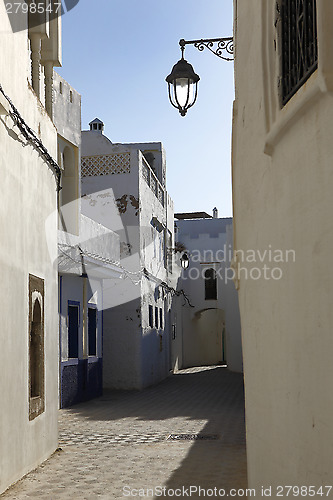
(188, 431)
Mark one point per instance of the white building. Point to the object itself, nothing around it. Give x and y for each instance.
(208, 328)
(29, 333)
(88, 254)
(283, 205)
(123, 188)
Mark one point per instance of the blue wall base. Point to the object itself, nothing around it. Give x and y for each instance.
(81, 381)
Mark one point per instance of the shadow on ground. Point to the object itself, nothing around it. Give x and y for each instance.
(212, 395)
(199, 395)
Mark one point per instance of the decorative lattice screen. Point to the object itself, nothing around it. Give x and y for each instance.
(118, 163)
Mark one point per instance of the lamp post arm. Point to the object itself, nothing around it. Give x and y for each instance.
(221, 47)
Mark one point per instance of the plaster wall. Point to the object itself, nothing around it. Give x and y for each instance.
(156, 338)
(135, 355)
(209, 245)
(84, 262)
(155, 155)
(67, 110)
(121, 298)
(282, 191)
(29, 196)
(67, 119)
(95, 240)
(175, 319)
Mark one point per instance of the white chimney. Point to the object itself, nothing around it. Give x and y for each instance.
(215, 213)
(96, 126)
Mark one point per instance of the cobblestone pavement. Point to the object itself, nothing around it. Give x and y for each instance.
(186, 431)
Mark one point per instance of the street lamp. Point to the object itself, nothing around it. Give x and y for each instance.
(183, 81)
(184, 261)
(182, 85)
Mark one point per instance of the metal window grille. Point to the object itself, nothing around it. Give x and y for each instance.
(299, 44)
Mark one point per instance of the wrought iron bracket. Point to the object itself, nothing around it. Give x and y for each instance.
(221, 47)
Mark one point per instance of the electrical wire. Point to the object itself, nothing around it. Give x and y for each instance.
(32, 139)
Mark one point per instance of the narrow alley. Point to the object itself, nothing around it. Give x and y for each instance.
(187, 431)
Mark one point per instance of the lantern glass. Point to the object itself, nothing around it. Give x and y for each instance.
(183, 86)
(184, 89)
(184, 261)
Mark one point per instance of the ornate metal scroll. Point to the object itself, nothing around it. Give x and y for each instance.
(221, 47)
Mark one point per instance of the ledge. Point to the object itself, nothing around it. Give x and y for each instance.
(300, 103)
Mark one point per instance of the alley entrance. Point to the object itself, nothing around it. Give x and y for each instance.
(188, 431)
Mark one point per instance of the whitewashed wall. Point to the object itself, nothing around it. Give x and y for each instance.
(282, 188)
(209, 245)
(29, 196)
(135, 355)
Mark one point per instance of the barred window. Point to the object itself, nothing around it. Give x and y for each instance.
(299, 44)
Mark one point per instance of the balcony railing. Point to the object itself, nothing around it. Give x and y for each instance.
(152, 181)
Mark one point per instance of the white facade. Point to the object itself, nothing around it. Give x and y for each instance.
(123, 188)
(87, 253)
(282, 189)
(210, 330)
(29, 333)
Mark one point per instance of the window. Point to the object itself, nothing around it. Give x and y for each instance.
(73, 330)
(36, 346)
(92, 331)
(299, 44)
(70, 96)
(210, 285)
(156, 317)
(151, 317)
(161, 318)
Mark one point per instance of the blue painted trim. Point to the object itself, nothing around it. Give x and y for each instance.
(76, 361)
(92, 306)
(71, 361)
(94, 359)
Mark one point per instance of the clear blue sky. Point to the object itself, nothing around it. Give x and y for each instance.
(117, 53)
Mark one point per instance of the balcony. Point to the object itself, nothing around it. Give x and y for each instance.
(152, 181)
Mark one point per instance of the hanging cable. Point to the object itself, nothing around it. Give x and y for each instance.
(169, 289)
(32, 139)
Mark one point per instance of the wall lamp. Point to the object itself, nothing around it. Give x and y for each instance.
(183, 81)
(184, 261)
